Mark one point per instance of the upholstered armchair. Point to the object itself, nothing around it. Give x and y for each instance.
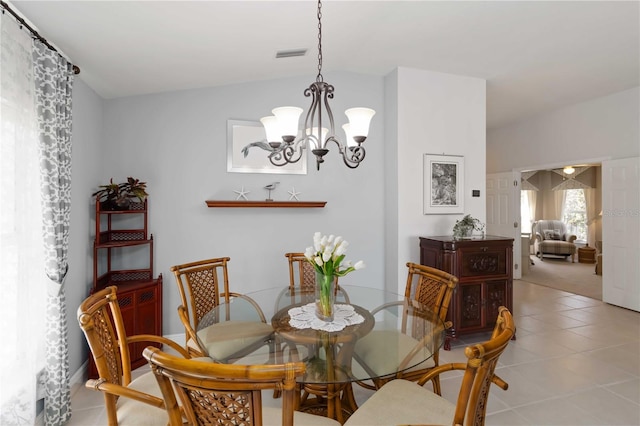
(552, 238)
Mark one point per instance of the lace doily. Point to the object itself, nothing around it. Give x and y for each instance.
(305, 317)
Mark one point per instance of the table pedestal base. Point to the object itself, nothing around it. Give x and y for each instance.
(335, 401)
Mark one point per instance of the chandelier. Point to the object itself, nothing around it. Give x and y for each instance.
(286, 144)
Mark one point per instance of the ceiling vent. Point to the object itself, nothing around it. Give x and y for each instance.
(291, 53)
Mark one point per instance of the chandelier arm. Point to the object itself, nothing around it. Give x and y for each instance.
(347, 163)
(310, 117)
(332, 138)
(328, 94)
(356, 156)
(293, 152)
(277, 159)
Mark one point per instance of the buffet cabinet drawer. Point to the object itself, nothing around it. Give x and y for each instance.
(483, 261)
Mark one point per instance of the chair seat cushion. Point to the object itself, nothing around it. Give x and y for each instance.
(273, 416)
(557, 247)
(132, 412)
(224, 339)
(382, 351)
(401, 402)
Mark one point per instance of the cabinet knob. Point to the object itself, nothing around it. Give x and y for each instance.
(484, 249)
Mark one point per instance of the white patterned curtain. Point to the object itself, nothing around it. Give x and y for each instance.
(22, 305)
(53, 77)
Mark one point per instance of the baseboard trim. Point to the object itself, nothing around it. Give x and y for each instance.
(81, 374)
(178, 338)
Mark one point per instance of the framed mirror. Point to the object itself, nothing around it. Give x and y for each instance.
(241, 134)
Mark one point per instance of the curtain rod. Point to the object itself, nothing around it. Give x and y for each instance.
(76, 69)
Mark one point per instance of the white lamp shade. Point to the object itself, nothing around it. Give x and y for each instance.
(288, 118)
(349, 136)
(323, 135)
(569, 170)
(359, 119)
(271, 128)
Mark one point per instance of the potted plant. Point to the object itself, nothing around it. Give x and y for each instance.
(118, 196)
(465, 227)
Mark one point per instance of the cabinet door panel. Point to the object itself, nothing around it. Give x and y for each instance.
(127, 309)
(146, 318)
(497, 295)
(126, 300)
(470, 302)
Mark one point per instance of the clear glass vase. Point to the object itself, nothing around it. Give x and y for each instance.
(325, 296)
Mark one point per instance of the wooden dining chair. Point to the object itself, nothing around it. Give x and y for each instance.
(127, 401)
(403, 402)
(302, 277)
(204, 285)
(431, 288)
(227, 393)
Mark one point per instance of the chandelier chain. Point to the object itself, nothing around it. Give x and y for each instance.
(319, 77)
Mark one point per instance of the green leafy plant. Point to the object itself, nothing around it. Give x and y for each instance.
(119, 195)
(465, 226)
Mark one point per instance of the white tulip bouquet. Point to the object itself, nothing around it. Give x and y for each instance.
(326, 256)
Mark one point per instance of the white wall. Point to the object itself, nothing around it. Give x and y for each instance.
(86, 166)
(177, 143)
(607, 127)
(435, 113)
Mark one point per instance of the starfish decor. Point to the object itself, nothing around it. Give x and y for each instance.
(294, 194)
(242, 194)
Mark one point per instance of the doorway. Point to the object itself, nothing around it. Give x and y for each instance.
(571, 193)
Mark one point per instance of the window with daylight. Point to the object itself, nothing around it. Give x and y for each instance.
(574, 214)
(526, 218)
(23, 301)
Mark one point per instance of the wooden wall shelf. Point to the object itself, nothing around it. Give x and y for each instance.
(282, 204)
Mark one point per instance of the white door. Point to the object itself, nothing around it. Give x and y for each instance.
(621, 232)
(503, 211)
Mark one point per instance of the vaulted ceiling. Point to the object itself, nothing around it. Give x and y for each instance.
(535, 56)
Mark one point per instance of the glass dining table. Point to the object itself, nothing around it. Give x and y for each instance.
(331, 354)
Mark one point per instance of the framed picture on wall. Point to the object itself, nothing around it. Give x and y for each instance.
(443, 184)
(244, 154)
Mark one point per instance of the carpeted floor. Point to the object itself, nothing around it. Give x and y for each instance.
(561, 274)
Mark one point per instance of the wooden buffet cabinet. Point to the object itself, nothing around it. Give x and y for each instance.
(123, 235)
(484, 267)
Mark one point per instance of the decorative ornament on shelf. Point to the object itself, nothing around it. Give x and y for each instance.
(270, 188)
(464, 227)
(118, 196)
(293, 194)
(326, 256)
(283, 144)
(242, 194)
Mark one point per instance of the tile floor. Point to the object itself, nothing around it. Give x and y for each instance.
(576, 361)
